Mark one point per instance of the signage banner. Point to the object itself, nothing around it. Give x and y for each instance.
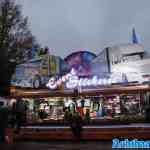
(72, 81)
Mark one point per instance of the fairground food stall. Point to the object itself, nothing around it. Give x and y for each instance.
(100, 97)
(112, 105)
(109, 106)
(108, 110)
(118, 111)
(94, 98)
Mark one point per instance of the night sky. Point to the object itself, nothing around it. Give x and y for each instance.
(66, 26)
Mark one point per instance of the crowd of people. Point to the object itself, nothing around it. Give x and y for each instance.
(12, 115)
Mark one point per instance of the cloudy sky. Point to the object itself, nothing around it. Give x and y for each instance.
(66, 26)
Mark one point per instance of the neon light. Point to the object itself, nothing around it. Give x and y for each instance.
(73, 81)
(51, 84)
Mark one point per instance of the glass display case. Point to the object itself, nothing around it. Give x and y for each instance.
(115, 106)
(119, 104)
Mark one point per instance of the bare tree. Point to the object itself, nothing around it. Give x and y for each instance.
(16, 39)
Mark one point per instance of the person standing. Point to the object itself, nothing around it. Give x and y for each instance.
(20, 113)
(3, 121)
(76, 125)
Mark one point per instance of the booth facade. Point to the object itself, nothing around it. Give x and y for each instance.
(107, 113)
(116, 104)
(110, 103)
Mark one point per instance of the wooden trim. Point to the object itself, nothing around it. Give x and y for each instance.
(92, 133)
(28, 93)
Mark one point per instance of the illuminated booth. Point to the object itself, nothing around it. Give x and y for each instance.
(96, 100)
(110, 93)
(98, 96)
(107, 112)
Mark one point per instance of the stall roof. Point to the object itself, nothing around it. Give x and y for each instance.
(117, 89)
(126, 49)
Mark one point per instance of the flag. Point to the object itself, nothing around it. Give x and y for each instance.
(134, 37)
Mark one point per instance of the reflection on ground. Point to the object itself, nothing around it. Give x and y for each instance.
(55, 145)
(60, 145)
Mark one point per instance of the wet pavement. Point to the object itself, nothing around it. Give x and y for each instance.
(53, 145)
(57, 145)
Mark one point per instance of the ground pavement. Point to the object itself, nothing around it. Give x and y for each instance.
(57, 145)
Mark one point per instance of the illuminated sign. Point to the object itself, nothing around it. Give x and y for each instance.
(73, 81)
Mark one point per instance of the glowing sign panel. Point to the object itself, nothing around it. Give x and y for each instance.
(73, 81)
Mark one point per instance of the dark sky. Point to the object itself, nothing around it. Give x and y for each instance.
(66, 26)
